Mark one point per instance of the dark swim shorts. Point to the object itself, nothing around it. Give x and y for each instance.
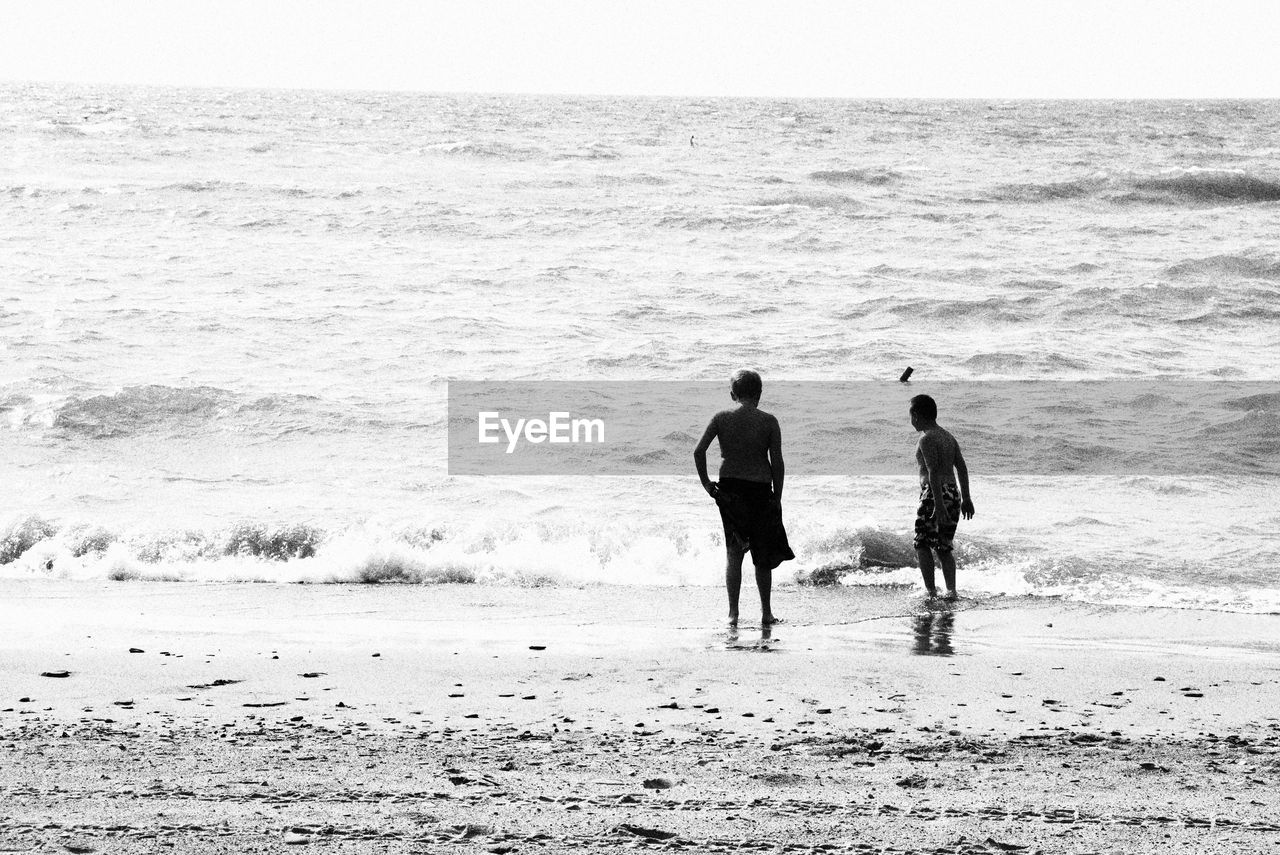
(927, 534)
(753, 521)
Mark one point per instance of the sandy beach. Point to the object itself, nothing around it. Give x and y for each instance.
(239, 718)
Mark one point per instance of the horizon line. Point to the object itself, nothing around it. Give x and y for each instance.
(585, 94)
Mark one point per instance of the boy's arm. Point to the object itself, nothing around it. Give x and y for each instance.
(962, 475)
(700, 456)
(776, 465)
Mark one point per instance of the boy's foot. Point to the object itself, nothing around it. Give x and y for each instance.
(733, 619)
(931, 593)
(951, 595)
(770, 620)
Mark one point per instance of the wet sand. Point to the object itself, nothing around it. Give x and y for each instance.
(237, 718)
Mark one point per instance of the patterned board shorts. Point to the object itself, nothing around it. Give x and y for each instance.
(927, 534)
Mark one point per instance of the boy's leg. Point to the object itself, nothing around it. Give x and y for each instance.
(945, 539)
(948, 561)
(733, 579)
(925, 539)
(924, 556)
(764, 583)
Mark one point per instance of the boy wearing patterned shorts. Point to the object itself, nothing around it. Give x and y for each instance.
(942, 502)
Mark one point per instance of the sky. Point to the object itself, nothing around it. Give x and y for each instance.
(785, 48)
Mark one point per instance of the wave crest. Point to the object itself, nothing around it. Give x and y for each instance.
(136, 408)
(820, 201)
(139, 409)
(494, 150)
(1240, 266)
(1196, 185)
(874, 176)
(1192, 186)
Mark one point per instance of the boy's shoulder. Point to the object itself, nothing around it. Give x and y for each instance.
(938, 437)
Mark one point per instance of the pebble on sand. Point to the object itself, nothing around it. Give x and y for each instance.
(647, 833)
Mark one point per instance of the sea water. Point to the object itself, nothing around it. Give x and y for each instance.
(229, 318)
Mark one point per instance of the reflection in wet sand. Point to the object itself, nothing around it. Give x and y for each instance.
(763, 644)
(933, 633)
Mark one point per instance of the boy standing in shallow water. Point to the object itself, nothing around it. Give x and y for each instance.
(941, 504)
(749, 492)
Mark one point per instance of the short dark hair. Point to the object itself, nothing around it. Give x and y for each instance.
(925, 407)
(745, 383)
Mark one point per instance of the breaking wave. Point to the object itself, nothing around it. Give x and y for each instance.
(541, 555)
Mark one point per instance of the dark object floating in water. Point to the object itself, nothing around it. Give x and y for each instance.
(55, 673)
(537, 647)
(313, 674)
(657, 784)
(136, 650)
(268, 704)
(906, 375)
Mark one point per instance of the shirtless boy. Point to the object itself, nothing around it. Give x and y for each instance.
(941, 462)
(749, 492)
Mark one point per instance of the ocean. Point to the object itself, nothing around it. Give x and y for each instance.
(229, 320)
